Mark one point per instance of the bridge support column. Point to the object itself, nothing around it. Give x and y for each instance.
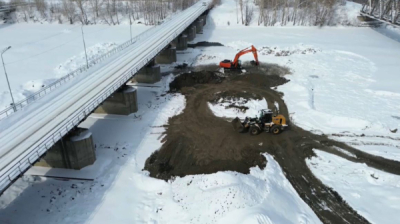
(122, 102)
(204, 18)
(182, 43)
(167, 56)
(74, 151)
(148, 74)
(199, 26)
(190, 33)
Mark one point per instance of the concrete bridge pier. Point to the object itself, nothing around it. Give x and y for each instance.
(74, 151)
(190, 33)
(199, 26)
(122, 102)
(204, 18)
(148, 74)
(166, 56)
(182, 42)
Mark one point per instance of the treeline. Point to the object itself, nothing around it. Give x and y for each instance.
(87, 12)
(284, 12)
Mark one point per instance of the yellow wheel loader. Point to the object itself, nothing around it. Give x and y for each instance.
(265, 122)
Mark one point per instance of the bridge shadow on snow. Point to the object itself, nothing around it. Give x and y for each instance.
(388, 31)
(49, 200)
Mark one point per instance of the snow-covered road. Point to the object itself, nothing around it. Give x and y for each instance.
(28, 133)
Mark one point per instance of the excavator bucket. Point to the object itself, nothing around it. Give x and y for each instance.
(237, 125)
(254, 63)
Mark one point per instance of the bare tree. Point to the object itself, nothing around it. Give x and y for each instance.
(110, 14)
(249, 12)
(82, 8)
(68, 8)
(54, 9)
(261, 11)
(95, 6)
(41, 6)
(241, 10)
(110, 11)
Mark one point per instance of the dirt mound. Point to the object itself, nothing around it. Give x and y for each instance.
(283, 53)
(236, 99)
(234, 95)
(198, 142)
(205, 44)
(194, 78)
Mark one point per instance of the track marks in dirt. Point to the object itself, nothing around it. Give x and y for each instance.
(197, 142)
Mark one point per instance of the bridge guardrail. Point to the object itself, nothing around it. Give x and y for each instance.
(43, 91)
(31, 156)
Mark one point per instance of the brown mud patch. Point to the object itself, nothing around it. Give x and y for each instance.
(205, 44)
(197, 142)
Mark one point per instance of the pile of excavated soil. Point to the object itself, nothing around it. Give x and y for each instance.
(236, 99)
(198, 142)
(205, 44)
(194, 78)
(234, 95)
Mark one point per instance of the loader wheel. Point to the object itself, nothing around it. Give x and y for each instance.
(276, 130)
(254, 130)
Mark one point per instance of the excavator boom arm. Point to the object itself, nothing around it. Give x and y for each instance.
(243, 52)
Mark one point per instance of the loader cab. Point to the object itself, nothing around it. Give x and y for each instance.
(266, 116)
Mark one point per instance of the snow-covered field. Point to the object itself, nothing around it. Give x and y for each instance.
(344, 81)
(41, 53)
(123, 193)
(222, 109)
(372, 193)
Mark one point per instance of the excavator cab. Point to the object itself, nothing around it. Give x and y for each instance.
(229, 64)
(226, 64)
(236, 63)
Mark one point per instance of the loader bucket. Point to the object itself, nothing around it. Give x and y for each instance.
(237, 125)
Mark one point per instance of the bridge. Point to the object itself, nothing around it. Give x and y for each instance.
(387, 11)
(29, 131)
(7, 8)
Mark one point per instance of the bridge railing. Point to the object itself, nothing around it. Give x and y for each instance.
(11, 6)
(384, 10)
(24, 161)
(92, 62)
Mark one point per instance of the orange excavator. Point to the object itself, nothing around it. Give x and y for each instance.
(235, 64)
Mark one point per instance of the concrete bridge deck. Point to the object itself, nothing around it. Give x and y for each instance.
(27, 134)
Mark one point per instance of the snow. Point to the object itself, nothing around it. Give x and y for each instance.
(265, 195)
(41, 53)
(343, 79)
(78, 61)
(344, 152)
(348, 86)
(388, 152)
(237, 198)
(372, 193)
(61, 173)
(227, 15)
(337, 88)
(222, 109)
(276, 104)
(347, 14)
(382, 146)
(82, 135)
